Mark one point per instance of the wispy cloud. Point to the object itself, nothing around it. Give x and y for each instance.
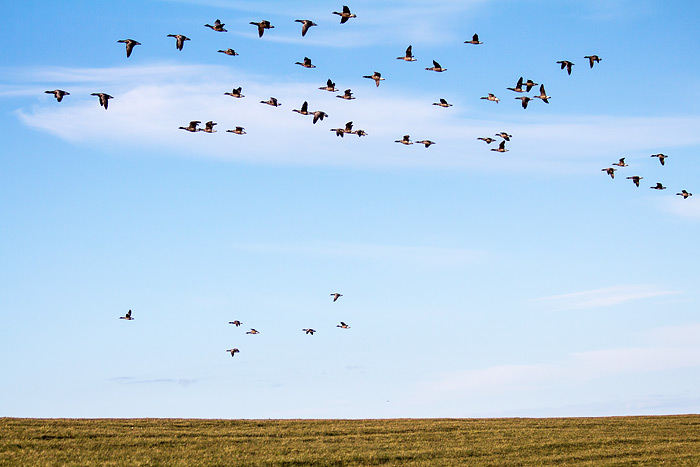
(133, 380)
(604, 297)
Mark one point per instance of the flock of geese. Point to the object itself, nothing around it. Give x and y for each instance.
(522, 86)
(233, 351)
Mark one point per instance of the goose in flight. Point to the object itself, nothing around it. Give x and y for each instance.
(504, 135)
(347, 95)
(662, 158)
(342, 325)
(218, 26)
(529, 84)
(491, 97)
(192, 126)
(543, 95)
(236, 323)
(236, 92)
(228, 51)
(306, 63)
(442, 103)
(566, 64)
(405, 140)
(684, 194)
(309, 331)
(253, 331)
(238, 131)
(262, 25)
(304, 109)
(635, 179)
(336, 296)
(305, 25)
(409, 55)
(345, 14)
(475, 40)
(592, 59)
(610, 171)
(426, 142)
(127, 316)
(330, 86)
(130, 44)
(209, 127)
(436, 67)
(518, 87)
(658, 186)
(621, 163)
(271, 101)
(104, 98)
(525, 100)
(488, 140)
(58, 94)
(319, 115)
(376, 76)
(179, 40)
(233, 351)
(501, 147)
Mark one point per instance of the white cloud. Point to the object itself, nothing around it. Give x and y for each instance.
(604, 297)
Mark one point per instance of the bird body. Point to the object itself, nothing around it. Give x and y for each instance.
(376, 76)
(218, 26)
(209, 127)
(501, 147)
(405, 140)
(229, 51)
(662, 158)
(592, 59)
(238, 130)
(487, 140)
(130, 44)
(345, 15)
(492, 98)
(233, 351)
(610, 171)
(525, 100)
(236, 92)
(426, 142)
(409, 55)
(475, 40)
(336, 296)
(306, 63)
(504, 135)
(518, 87)
(442, 103)
(566, 64)
(543, 95)
(253, 331)
(347, 95)
(635, 179)
(179, 40)
(262, 25)
(330, 86)
(271, 101)
(436, 67)
(192, 126)
(621, 163)
(342, 325)
(309, 331)
(58, 94)
(319, 115)
(304, 109)
(236, 323)
(529, 84)
(305, 25)
(127, 316)
(658, 186)
(104, 98)
(684, 194)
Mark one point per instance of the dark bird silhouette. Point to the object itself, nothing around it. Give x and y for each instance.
(235, 93)
(305, 25)
(347, 95)
(309, 331)
(684, 194)
(58, 94)
(304, 109)
(488, 140)
(504, 135)
(319, 115)
(501, 147)
(529, 84)
(592, 59)
(330, 86)
(218, 26)
(405, 140)
(621, 163)
(209, 127)
(262, 25)
(192, 126)
(475, 40)
(442, 103)
(662, 158)
(543, 95)
(336, 296)
(409, 55)
(658, 186)
(426, 142)
(233, 351)
(306, 63)
(238, 130)
(104, 98)
(127, 316)
(236, 323)
(130, 44)
(635, 179)
(492, 98)
(436, 67)
(610, 171)
(271, 101)
(231, 52)
(179, 40)
(518, 87)
(253, 331)
(345, 14)
(342, 325)
(525, 100)
(376, 76)
(566, 64)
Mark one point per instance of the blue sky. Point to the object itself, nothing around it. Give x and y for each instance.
(476, 284)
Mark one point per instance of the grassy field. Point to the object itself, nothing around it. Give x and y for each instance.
(672, 440)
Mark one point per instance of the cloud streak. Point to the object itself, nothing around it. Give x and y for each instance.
(604, 297)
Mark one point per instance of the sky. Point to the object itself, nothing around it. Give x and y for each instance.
(475, 283)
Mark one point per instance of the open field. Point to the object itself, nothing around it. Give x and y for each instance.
(668, 440)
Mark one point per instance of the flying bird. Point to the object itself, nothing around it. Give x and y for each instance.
(442, 103)
(525, 100)
(543, 95)
(342, 325)
(662, 158)
(179, 40)
(405, 140)
(130, 44)
(236, 323)
(319, 115)
(621, 163)
(233, 351)
(475, 40)
(425, 142)
(684, 194)
(529, 84)
(128, 317)
(347, 95)
(272, 101)
(592, 59)
(218, 26)
(518, 87)
(436, 67)
(209, 127)
(192, 126)
(304, 109)
(58, 94)
(658, 186)
(229, 51)
(305, 25)
(487, 140)
(501, 147)
(238, 131)
(104, 98)
(330, 86)
(566, 64)
(309, 331)
(345, 14)
(235, 93)
(492, 98)
(306, 63)
(262, 25)
(376, 76)
(336, 296)
(359, 133)
(409, 55)
(504, 135)
(610, 171)
(635, 179)
(253, 331)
